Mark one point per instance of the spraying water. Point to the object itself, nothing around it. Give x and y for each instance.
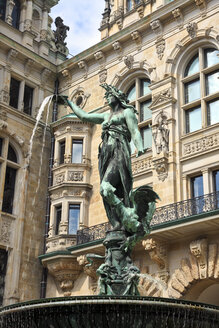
(46, 101)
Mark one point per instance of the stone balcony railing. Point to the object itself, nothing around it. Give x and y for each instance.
(164, 215)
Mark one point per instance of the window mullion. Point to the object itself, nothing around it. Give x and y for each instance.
(21, 96)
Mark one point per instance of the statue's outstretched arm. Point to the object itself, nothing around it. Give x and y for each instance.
(132, 124)
(96, 118)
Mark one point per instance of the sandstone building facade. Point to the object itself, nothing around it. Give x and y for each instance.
(164, 55)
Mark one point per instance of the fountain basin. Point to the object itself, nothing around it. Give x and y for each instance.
(109, 312)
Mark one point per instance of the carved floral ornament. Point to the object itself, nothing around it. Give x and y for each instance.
(79, 96)
(160, 48)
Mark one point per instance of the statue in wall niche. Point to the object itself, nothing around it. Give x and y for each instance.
(129, 211)
(161, 135)
(61, 31)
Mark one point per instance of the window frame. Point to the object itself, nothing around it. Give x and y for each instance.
(201, 75)
(138, 101)
(81, 139)
(79, 204)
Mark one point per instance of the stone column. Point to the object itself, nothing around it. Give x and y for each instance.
(10, 7)
(22, 15)
(21, 96)
(44, 26)
(206, 180)
(29, 13)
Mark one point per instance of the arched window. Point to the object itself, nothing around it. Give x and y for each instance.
(9, 166)
(139, 95)
(201, 90)
(2, 9)
(16, 14)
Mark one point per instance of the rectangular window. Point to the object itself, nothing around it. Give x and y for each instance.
(213, 112)
(8, 198)
(28, 99)
(61, 151)
(58, 216)
(145, 112)
(14, 92)
(193, 119)
(147, 137)
(2, 9)
(197, 191)
(212, 83)
(77, 150)
(216, 180)
(3, 267)
(192, 91)
(73, 218)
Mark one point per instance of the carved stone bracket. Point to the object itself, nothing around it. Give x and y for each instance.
(156, 26)
(90, 270)
(103, 76)
(65, 271)
(100, 57)
(140, 8)
(161, 166)
(118, 48)
(177, 14)
(83, 65)
(136, 36)
(12, 54)
(202, 4)
(157, 252)
(199, 249)
(67, 77)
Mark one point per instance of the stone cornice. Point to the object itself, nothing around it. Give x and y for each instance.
(142, 24)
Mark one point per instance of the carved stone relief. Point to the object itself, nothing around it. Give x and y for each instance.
(160, 48)
(129, 61)
(103, 76)
(161, 167)
(192, 30)
(79, 96)
(161, 98)
(75, 176)
(136, 36)
(157, 252)
(141, 165)
(59, 178)
(201, 145)
(83, 66)
(5, 234)
(199, 249)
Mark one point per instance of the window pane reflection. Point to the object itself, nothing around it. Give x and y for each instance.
(212, 82)
(147, 137)
(193, 119)
(216, 180)
(8, 198)
(192, 91)
(213, 112)
(145, 112)
(132, 93)
(197, 186)
(73, 218)
(193, 66)
(211, 57)
(77, 150)
(144, 87)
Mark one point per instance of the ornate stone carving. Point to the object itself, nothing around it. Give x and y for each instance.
(176, 13)
(75, 176)
(60, 33)
(28, 66)
(67, 158)
(129, 61)
(201, 145)
(3, 115)
(103, 76)
(4, 95)
(43, 35)
(199, 249)
(59, 178)
(118, 48)
(161, 98)
(12, 54)
(192, 29)
(83, 65)
(90, 270)
(202, 4)
(45, 73)
(140, 9)
(28, 25)
(5, 234)
(65, 271)
(141, 165)
(160, 47)
(156, 26)
(79, 96)
(161, 167)
(161, 134)
(99, 55)
(157, 252)
(136, 36)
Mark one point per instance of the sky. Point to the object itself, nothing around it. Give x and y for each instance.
(83, 17)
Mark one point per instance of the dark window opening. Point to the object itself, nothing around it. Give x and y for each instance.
(2, 9)
(77, 150)
(12, 154)
(62, 152)
(216, 180)
(16, 14)
(73, 218)
(3, 267)
(197, 193)
(14, 92)
(8, 198)
(58, 215)
(28, 99)
(79, 100)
